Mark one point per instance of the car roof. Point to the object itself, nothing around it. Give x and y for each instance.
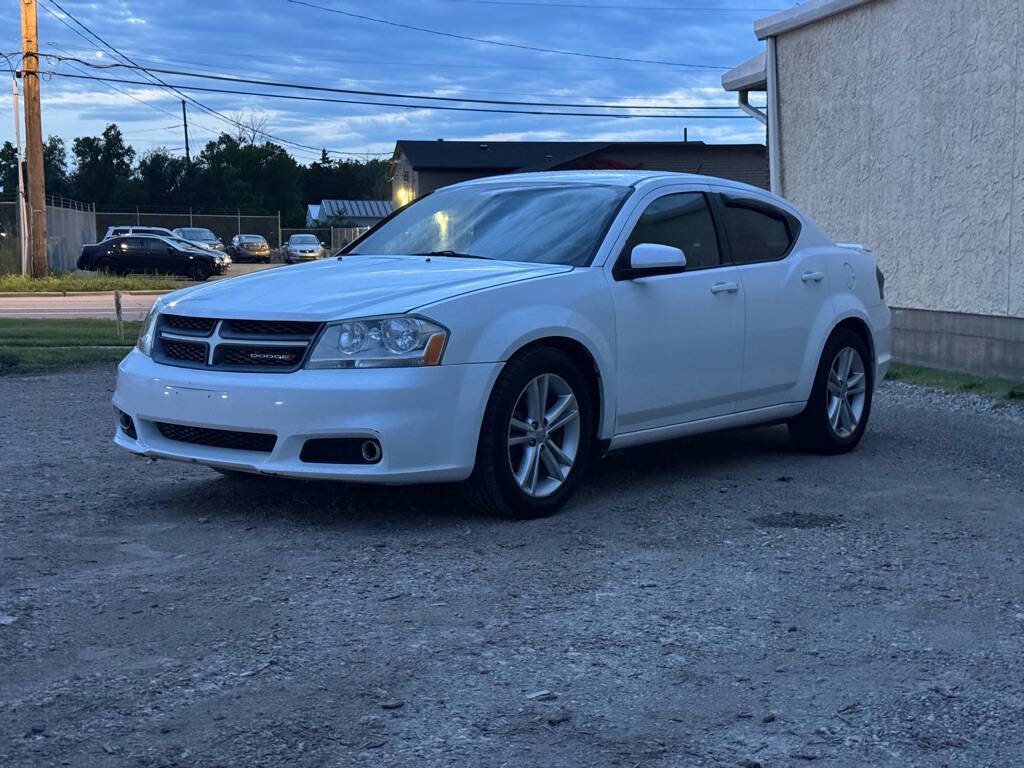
(614, 178)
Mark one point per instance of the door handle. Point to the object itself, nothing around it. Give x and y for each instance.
(725, 288)
(812, 277)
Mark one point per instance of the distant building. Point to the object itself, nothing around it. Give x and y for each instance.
(312, 214)
(419, 167)
(356, 213)
(900, 124)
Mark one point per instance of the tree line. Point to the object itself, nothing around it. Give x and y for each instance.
(229, 172)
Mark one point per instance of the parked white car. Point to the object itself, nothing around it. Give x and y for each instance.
(506, 331)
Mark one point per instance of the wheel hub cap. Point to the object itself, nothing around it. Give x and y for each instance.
(543, 435)
(847, 392)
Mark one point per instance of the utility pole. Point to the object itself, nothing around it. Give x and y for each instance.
(184, 120)
(33, 139)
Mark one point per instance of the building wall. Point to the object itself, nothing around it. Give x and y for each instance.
(902, 126)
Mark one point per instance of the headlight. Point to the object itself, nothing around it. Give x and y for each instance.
(148, 330)
(380, 342)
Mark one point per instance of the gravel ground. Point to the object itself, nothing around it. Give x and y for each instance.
(718, 601)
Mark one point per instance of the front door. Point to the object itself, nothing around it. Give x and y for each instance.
(679, 335)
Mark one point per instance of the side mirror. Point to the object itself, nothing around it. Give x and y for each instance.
(654, 256)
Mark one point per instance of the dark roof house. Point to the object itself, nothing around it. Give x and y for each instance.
(419, 167)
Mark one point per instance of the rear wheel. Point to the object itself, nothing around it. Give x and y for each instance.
(536, 437)
(840, 403)
(199, 271)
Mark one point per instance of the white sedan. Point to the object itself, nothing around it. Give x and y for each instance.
(505, 332)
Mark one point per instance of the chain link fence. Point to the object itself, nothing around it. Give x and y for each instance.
(69, 225)
(224, 224)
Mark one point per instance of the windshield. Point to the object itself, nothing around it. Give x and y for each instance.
(303, 240)
(550, 223)
(251, 239)
(196, 233)
(178, 243)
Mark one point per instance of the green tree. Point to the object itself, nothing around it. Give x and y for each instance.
(103, 168)
(55, 167)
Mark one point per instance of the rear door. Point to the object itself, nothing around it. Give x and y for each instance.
(785, 289)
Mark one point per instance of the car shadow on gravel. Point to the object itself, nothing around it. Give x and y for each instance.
(317, 502)
(205, 494)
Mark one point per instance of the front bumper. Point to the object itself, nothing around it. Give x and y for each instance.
(426, 419)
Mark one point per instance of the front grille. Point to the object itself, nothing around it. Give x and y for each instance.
(273, 328)
(189, 325)
(252, 355)
(218, 438)
(191, 351)
(271, 346)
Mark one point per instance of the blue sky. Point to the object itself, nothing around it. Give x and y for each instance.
(278, 40)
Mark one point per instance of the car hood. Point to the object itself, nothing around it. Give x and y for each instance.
(353, 286)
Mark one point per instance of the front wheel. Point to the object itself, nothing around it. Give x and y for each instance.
(536, 437)
(837, 411)
(199, 271)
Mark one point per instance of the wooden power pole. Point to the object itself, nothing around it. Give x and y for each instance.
(33, 139)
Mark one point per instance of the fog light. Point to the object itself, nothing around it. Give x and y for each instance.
(127, 425)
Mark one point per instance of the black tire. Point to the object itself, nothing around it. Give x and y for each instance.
(492, 488)
(199, 271)
(108, 267)
(812, 430)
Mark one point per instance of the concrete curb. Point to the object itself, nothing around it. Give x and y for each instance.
(65, 294)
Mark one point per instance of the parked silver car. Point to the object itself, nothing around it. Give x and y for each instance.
(200, 236)
(304, 247)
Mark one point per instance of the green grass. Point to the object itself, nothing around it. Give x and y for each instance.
(27, 346)
(76, 282)
(998, 389)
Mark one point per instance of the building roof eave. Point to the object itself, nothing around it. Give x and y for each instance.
(802, 15)
(751, 75)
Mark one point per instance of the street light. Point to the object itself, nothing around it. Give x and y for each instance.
(22, 215)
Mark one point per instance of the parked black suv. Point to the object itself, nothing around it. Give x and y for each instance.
(148, 253)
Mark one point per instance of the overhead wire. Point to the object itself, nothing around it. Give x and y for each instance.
(503, 44)
(397, 95)
(439, 107)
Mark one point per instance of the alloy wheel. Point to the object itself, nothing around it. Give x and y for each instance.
(847, 392)
(543, 435)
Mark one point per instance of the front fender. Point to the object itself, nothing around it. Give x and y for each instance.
(493, 324)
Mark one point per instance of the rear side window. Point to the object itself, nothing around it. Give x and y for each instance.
(681, 220)
(758, 231)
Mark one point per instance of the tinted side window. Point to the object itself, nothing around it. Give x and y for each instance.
(683, 221)
(130, 244)
(757, 231)
(156, 247)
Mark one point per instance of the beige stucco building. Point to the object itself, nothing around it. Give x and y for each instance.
(900, 124)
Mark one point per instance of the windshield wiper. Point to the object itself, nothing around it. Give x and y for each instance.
(452, 254)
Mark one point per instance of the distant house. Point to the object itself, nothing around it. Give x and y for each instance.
(356, 213)
(419, 167)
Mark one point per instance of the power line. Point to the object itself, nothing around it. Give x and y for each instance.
(202, 106)
(439, 107)
(591, 6)
(518, 46)
(391, 94)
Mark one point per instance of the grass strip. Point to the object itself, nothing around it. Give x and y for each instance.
(1004, 390)
(28, 346)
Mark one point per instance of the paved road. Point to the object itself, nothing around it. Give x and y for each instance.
(718, 601)
(133, 307)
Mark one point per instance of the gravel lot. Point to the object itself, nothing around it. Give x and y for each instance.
(719, 601)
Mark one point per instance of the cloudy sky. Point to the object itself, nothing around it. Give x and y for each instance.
(287, 42)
